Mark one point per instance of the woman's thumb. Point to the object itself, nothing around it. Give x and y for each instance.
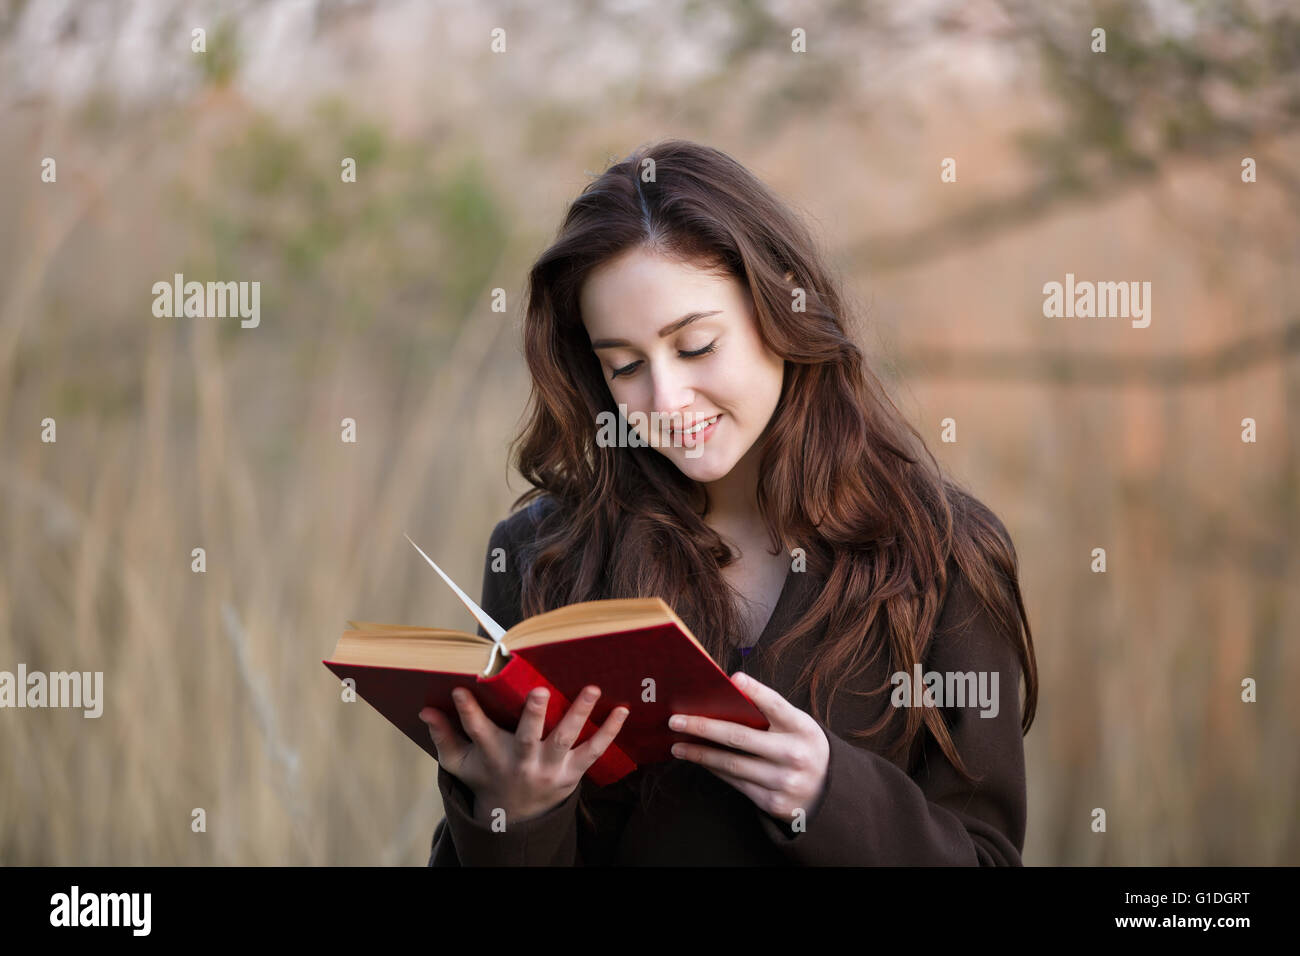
(435, 722)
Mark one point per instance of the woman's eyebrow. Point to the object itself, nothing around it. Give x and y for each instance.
(668, 329)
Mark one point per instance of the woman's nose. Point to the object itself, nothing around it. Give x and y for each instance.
(672, 394)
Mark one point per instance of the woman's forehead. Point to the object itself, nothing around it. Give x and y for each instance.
(646, 294)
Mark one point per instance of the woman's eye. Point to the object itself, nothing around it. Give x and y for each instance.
(628, 369)
(704, 351)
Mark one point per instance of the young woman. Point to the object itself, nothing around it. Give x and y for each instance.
(867, 605)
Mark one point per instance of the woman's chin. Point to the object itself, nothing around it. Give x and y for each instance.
(701, 469)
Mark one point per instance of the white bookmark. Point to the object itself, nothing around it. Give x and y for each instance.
(495, 630)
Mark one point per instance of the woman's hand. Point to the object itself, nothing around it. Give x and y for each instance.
(787, 771)
(520, 772)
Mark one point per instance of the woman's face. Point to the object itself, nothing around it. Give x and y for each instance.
(644, 315)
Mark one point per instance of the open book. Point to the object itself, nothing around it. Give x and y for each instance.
(636, 650)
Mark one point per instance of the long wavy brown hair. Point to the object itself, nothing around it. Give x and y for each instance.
(842, 474)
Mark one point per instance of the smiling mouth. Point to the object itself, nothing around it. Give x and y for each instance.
(698, 427)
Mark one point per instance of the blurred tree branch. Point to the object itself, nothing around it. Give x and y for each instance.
(1062, 367)
(1150, 97)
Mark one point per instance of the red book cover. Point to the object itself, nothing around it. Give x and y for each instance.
(654, 671)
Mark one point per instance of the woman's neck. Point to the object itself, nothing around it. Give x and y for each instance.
(733, 498)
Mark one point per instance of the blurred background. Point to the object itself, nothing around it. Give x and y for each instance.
(376, 296)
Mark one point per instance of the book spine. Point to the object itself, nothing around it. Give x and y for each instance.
(510, 689)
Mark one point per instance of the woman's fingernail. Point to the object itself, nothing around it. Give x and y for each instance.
(676, 722)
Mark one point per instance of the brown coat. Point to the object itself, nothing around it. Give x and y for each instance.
(873, 811)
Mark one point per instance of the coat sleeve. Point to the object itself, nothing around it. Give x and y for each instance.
(579, 831)
(871, 812)
(550, 839)
(582, 831)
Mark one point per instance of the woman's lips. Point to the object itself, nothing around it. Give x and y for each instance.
(674, 430)
(691, 439)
